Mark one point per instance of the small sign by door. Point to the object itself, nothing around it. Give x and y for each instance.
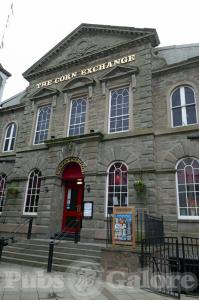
(123, 228)
(88, 209)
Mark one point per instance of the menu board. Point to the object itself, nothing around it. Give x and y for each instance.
(88, 209)
(123, 230)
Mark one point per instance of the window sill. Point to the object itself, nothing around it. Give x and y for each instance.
(188, 220)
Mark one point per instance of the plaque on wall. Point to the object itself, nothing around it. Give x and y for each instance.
(88, 210)
(123, 226)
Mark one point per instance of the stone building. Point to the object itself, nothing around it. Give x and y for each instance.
(104, 108)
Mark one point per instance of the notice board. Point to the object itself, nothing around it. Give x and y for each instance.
(123, 226)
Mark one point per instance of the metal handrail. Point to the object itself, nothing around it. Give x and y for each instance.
(21, 225)
(58, 239)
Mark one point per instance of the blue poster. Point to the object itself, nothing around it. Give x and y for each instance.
(123, 227)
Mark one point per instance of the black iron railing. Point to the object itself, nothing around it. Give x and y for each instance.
(147, 226)
(160, 261)
(29, 221)
(4, 241)
(189, 259)
(72, 228)
(153, 226)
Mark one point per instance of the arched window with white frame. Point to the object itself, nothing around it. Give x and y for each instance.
(187, 180)
(10, 137)
(32, 192)
(3, 179)
(117, 186)
(183, 106)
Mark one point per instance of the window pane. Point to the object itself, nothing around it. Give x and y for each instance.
(10, 137)
(191, 114)
(117, 186)
(189, 96)
(188, 187)
(177, 117)
(189, 174)
(181, 177)
(176, 98)
(32, 196)
(77, 117)
(119, 110)
(182, 200)
(42, 124)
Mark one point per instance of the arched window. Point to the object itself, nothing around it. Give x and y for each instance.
(77, 117)
(117, 186)
(43, 119)
(10, 137)
(187, 177)
(183, 106)
(3, 178)
(119, 110)
(32, 193)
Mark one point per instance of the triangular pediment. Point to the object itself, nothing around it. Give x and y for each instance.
(78, 82)
(44, 93)
(119, 71)
(89, 40)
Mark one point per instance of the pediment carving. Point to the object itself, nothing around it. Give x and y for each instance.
(119, 71)
(44, 93)
(78, 82)
(89, 40)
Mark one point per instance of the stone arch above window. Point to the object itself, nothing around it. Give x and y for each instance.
(32, 192)
(183, 106)
(117, 185)
(78, 82)
(10, 137)
(187, 185)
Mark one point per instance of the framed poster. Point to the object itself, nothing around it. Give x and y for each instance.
(88, 210)
(123, 227)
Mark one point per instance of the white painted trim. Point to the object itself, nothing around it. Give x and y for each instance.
(109, 113)
(12, 124)
(107, 174)
(38, 110)
(177, 194)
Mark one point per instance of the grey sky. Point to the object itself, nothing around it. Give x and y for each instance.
(38, 25)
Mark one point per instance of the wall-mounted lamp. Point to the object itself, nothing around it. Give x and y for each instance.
(88, 188)
(46, 189)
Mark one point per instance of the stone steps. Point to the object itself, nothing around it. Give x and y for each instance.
(67, 254)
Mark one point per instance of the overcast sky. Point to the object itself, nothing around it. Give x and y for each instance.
(38, 25)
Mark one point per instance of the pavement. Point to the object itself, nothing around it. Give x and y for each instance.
(29, 283)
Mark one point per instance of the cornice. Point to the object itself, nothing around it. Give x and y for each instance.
(11, 108)
(97, 136)
(96, 55)
(177, 66)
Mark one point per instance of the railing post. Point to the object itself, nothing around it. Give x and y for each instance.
(29, 229)
(76, 237)
(50, 256)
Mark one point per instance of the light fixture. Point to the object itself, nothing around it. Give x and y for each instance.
(79, 181)
(88, 188)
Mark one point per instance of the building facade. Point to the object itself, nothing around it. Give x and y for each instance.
(105, 108)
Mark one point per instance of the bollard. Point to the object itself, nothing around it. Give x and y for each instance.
(76, 237)
(29, 229)
(1, 246)
(50, 256)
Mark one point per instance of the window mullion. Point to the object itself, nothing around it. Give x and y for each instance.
(183, 105)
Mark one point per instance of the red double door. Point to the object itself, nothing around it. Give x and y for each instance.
(73, 199)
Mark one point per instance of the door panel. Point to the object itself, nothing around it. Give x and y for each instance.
(72, 207)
